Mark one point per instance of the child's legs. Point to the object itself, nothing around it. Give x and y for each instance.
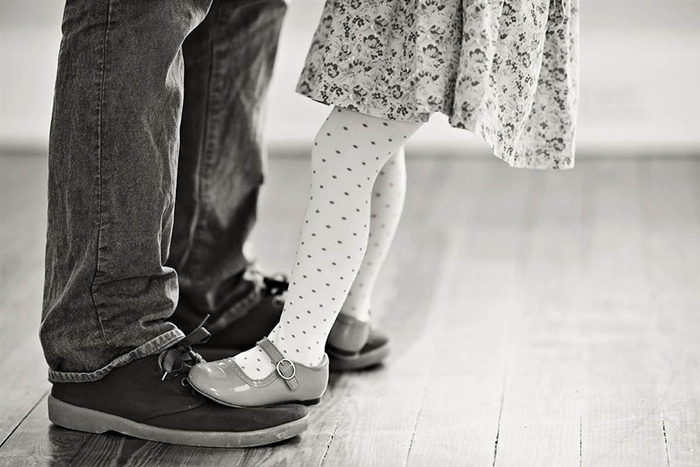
(386, 207)
(349, 151)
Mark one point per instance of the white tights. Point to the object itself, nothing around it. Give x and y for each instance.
(358, 186)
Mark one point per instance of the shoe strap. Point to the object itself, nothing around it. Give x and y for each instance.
(284, 366)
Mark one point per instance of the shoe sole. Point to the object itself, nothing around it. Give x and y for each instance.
(363, 361)
(92, 421)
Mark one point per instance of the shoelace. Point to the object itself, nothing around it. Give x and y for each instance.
(276, 285)
(181, 355)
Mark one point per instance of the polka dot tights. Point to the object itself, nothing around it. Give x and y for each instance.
(358, 180)
(386, 208)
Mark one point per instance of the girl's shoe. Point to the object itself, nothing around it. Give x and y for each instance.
(353, 345)
(226, 383)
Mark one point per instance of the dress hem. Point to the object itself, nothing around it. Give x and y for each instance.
(567, 161)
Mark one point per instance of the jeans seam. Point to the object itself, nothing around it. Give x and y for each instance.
(103, 79)
(206, 159)
(197, 216)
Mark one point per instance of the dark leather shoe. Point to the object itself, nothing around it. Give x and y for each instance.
(152, 400)
(244, 333)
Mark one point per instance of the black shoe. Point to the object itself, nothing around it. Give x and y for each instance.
(151, 399)
(245, 332)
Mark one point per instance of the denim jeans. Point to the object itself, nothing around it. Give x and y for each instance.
(155, 163)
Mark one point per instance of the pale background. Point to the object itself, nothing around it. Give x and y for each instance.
(640, 68)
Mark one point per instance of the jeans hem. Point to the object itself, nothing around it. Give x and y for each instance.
(151, 347)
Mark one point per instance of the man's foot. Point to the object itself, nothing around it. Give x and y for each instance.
(244, 333)
(151, 399)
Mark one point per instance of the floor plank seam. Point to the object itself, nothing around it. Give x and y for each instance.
(498, 429)
(580, 440)
(9, 435)
(528, 223)
(341, 412)
(663, 428)
(415, 425)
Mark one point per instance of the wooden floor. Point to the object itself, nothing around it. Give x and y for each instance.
(538, 319)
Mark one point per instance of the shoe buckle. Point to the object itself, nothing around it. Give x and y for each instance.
(279, 369)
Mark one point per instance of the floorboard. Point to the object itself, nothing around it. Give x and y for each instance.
(672, 231)
(621, 423)
(38, 442)
(22, 233)
(537, 319)
(541, 401)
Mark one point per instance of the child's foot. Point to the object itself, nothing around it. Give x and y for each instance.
(353, 345)
(224, 381)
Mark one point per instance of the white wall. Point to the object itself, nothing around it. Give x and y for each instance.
(640, 65)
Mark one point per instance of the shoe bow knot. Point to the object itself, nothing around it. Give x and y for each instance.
(181, 355)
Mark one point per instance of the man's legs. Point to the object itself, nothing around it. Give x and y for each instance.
(112, 168)
(115, 364)
(228, 65)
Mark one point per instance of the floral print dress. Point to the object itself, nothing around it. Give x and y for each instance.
(505, 69)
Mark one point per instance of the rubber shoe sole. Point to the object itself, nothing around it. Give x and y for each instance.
(92, 421)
